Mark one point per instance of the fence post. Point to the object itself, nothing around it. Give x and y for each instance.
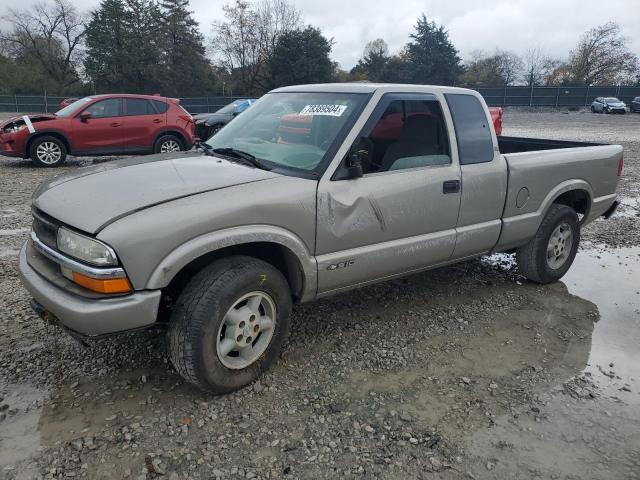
(586, 97)
(531, 95)
(557, 95)
(504, 97)
(46, 105)
(15, 100)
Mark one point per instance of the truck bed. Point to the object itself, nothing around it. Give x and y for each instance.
(524, 144)
(540, 171)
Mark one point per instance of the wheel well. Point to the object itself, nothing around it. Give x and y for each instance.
(59, 136)
(579, 200)
(275, 254)
(171, 132)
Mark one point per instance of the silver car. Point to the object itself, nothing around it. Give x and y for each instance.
(608, 105)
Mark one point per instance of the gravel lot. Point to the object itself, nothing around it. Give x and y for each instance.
(462, 372)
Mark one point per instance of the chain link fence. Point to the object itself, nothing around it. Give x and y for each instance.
(494, 96)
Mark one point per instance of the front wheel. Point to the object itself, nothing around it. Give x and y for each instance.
(593, 110)
(548, 256)
(168, 144)
(48, 151)
(229, 323)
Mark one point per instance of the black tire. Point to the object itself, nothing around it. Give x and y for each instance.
(532, 257)
(168, 143)
(593, 110)
(200, 311)
(41, 145)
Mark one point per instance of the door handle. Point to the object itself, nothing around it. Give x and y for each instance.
(157, 120)
(115, 124)
(451, 186)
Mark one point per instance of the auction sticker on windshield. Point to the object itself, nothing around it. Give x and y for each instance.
(332, 110)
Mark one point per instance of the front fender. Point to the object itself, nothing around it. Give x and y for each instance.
(175, 261)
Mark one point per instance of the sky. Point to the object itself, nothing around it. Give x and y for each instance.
(554, 26)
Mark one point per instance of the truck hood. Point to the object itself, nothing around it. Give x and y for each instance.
(93, 197)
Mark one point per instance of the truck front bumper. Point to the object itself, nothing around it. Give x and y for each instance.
(89, 316)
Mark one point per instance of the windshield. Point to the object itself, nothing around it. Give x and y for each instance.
(611, 100)
(71, 108)
(291, 130)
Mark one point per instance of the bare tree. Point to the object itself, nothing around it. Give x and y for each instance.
(537, 67)
(501, 68)
(602, 57)
(245, 41)
(49, 34)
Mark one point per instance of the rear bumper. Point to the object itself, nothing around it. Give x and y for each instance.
(89, 316)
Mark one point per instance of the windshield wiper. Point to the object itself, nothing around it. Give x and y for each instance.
(246, 157)
(206, 149)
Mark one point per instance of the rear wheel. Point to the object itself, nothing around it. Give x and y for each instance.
(48, 151)
(167, 144)
(229, 323)
(593, 110)
(548, 256)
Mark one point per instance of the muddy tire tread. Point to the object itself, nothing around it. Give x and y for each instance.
(527, 256)
(190, 314)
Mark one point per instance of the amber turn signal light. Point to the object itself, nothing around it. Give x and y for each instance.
(109, 285)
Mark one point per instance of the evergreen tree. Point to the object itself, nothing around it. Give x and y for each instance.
(432, 57)
(374, 61)
(301, 56)
(106, 45)
(186, 68)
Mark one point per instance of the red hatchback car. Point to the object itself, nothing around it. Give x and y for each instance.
(100, 125)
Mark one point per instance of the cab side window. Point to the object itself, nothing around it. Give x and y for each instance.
(104, 108)
(407, 134)
(475, 144)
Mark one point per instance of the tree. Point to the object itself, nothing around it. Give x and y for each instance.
(431, 56)
(373, 63)
(245, 41)
(122, 50)
(50, 36)
(536, 67)
(186, 69)
(501, 68)
(602, 57)
(301, 56)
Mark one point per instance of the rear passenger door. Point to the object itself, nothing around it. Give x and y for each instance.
(484, 176)
(142, 122)
(400, 216)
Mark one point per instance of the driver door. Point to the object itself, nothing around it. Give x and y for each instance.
(102, 133)
(401, 215)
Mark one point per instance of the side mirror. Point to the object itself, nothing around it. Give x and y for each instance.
(84, 116)
(354, 164)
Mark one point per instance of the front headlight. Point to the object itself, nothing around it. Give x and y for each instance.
(86, 249)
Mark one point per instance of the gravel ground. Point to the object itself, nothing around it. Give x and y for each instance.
(462, 372)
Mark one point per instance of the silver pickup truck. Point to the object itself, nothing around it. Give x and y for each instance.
(315, 190)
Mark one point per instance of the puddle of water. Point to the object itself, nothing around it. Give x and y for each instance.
(611, 280)
(629, 207)
(20, 435)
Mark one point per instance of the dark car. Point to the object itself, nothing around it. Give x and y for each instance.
(608, 105)
(635, 105)
(99, 125)
(68, 101)
(208, 124)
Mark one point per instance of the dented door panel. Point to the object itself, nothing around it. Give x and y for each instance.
(384, 224)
